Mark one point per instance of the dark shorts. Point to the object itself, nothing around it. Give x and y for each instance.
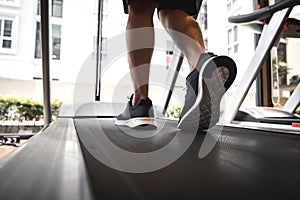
(191, 7)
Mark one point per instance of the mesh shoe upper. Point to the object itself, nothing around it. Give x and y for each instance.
(144, 108)
(218, 73)
(192, 82)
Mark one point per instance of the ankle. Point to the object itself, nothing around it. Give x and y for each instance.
(137, 98)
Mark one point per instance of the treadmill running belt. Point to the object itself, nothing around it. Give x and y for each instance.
(244, 164)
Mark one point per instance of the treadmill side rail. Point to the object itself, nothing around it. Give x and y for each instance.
(49, 166)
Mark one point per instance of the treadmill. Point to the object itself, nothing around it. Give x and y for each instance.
(275, 16)
(62, 161)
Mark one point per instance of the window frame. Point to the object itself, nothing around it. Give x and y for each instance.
(14, 33)
(52, 21)
(15, 3)
(233, 6)
(233, 41)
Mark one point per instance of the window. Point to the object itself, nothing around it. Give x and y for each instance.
(8, 1)
(57, 11)
(56, 41)
(203, 13)
(104, 18)
(232, 5)
(38, 41)
(228, 7)
(6, 34)
(232, 40)
(105, 8)
(57, 8)
(103, 49)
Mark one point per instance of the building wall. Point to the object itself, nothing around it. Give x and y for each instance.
(217, 37)
(79, 29)
(33, 89)
(18, 62)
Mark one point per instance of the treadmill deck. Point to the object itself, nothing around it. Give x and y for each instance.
(58, 163)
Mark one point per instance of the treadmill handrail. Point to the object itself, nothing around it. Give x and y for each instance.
(49, 166)
(264, 12)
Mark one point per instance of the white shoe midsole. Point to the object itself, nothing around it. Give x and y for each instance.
(135, 122)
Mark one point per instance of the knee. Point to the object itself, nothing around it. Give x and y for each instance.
(141, 8)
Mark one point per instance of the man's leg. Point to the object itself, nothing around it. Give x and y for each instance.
(178, 22)
(140, 43)
(205, 89)
(140, 15)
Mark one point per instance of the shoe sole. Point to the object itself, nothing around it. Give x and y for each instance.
(138, 122)
(206, 110)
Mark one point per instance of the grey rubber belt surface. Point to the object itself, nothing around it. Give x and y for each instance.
(244, 164)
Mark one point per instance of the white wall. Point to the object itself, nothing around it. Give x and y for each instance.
(77, 34)
(77, 40)
(19, 63)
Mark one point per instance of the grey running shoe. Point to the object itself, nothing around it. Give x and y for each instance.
(206, 85)
(138, 116)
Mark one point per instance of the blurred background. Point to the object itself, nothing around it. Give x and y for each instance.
(74, 34)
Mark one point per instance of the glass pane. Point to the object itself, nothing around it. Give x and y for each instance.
(56, 41)
(38, 41)
(234, 3)
(103, 57)
(229, 37)
(229, 51)
(57, 8)
(236, 48)
(105, 5)
(38, 7)
(235, 30)
(228, 7)
(104, 44)
(7, 28)
(6, 44)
